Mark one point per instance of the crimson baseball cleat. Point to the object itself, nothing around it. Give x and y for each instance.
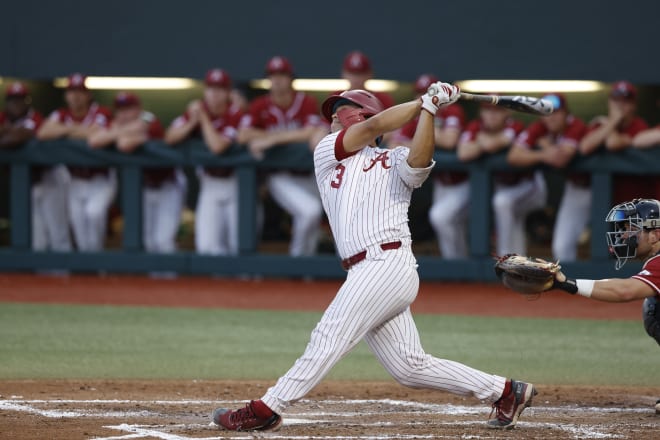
(508, 408)
(256, 416)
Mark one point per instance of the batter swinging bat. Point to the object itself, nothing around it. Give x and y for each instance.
(525, 104)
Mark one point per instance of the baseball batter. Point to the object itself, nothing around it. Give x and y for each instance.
(366, 194)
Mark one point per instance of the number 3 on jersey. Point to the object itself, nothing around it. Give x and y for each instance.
(339, 175)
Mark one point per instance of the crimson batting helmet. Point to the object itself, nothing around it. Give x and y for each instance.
(367, 103)
(626, 221)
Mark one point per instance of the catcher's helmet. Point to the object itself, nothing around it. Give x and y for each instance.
(626, 221)
(368, 104)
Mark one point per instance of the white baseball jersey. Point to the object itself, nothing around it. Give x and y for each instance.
(366, 196)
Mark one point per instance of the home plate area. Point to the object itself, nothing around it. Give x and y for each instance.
(421, 415)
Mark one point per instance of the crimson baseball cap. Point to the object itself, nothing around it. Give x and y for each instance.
(356, 62)
(17, 90)
(623, 90)
(557, 100)
(218, 78)
(126, 99)
(76, 81)
(279, 64)
(424, 81)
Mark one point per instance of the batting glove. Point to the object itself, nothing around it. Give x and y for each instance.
(438, 95)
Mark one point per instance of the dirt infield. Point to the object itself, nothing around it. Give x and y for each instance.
(113, 410)
(177, 410)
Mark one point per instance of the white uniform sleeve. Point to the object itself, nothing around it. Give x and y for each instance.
(413, 177)
(324, 154)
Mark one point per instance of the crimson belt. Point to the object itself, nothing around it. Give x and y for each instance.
(349, 262)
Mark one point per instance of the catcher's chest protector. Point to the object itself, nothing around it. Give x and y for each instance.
(652, 318)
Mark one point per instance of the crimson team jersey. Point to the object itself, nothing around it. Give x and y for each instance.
(32, 120)
(572, 134)
(628, 187)
(650, 274)
(266, 115)
(155, 177)
(512, 128)
(96, 114)
(225, 124)
(451, 116)
(636, 125)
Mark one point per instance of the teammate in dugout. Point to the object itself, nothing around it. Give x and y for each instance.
(214, 119)
(634, 233)
(287, 116)
(366, 192)
(553, 140)
(163, 189)
(90, 190)
(18, 123)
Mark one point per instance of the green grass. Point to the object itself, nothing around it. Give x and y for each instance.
(64, 341)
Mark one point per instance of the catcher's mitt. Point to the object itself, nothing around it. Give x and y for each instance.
(526, 275)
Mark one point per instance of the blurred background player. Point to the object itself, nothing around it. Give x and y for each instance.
(515, 195)
(287, 116)
(214, 119)
(163, 189)
(356, 69)
(50, 221)
(492, 132)
(615, 132)
(91, 189)
(556, 138)
(448, 213)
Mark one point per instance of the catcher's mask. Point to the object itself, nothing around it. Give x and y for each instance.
(626, 221)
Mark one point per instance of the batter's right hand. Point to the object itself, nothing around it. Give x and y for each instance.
(439, 94)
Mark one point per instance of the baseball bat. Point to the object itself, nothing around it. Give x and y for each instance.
(525, 104)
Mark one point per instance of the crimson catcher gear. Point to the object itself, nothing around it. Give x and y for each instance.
(368, 105)
(626, 221)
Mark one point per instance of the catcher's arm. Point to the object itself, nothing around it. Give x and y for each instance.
(606, 290)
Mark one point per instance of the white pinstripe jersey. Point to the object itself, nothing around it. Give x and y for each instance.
(366, 195)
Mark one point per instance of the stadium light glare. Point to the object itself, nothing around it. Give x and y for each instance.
(329, 85)
(529, 86)
(131, 83)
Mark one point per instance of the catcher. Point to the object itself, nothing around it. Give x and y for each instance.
(634, 233)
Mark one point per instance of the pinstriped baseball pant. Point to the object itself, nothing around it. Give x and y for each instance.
(374, 304)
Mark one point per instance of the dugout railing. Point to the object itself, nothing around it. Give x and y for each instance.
(130, 258)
